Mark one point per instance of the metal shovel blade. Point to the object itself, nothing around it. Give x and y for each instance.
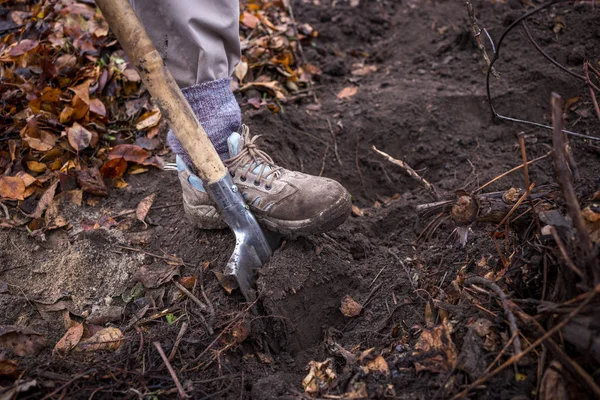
(253, 246)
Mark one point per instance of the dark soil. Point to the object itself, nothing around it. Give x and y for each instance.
(426, 105)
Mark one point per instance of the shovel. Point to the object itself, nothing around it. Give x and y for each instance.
(253, 247)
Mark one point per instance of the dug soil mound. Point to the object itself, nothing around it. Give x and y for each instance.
(388, 305)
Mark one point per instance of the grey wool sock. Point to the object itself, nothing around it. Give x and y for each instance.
(217, 110)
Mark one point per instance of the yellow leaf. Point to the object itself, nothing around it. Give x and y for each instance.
(148, 120)
(36, 166)
(120, 184)
(137, 169)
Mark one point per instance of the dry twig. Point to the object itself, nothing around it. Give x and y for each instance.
(564, 253)
(335, 147)
(564, 179)
(191, 296)
(514, 330)
(200, 304)
(526, 176)
(511, 171)
(323, 161)
(499, 356)
(411, 172)
(66, 384)
(477, 35)
(557, 351)
(182, 393)
(592, 94)
(229, 325)
(517, 357)
(182, 331)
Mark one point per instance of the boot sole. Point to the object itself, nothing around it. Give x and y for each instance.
(207, 217)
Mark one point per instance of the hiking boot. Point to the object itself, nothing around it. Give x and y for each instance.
(287, 202)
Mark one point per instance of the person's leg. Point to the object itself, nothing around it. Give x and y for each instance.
(199, 41)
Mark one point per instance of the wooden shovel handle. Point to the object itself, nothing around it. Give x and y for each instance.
(162, 87)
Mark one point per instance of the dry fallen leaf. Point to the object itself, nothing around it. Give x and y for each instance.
(320, 377)
(114, 169)
(347, 92)
(350, 308)
(435, 350)
(36, 166)
(132, 75)
(53, 218)
(70, 339)
(129, 152)
(152, 276)
(106, 339)
(148, 120)
(364, 70)
(227, 282)
(11, 188)
(97, 107)
(8, 368)
(379, 365)
(27, 179)
(143, 208)
(79, 137)
(45, 200)
(357, 211)
(91, 181)
(553, 386)
(23, 47)
(241, 70)
(248, 19)
(273, 88)
(21, 341)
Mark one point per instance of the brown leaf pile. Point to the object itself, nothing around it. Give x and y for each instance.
(272, 62)
(74, 111)
(74, 117)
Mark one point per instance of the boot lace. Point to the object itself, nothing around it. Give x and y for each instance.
(250, 157)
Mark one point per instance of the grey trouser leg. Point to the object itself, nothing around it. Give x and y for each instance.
(199, 39)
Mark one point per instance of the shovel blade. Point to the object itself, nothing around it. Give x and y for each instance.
(253, 246)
